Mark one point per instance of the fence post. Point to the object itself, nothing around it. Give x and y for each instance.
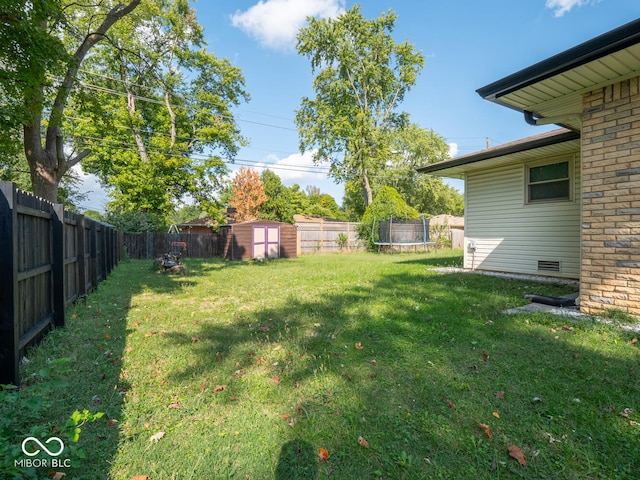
(81, 255)
(93, 261)
(57, 272)
(9, 334)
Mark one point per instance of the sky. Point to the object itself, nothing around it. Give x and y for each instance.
(467, 44)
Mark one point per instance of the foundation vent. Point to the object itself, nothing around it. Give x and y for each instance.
(548, 266)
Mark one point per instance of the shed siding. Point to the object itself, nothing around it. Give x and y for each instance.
(512, 236)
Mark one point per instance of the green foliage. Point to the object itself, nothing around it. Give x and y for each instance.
(279, 205)
(362, 76)
(135, 222)
(343, 240)
(386, 204)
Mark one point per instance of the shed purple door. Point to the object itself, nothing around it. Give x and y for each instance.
(266, 242)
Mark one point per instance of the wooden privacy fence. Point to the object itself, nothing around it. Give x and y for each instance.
(323, 237)
(142, 246)
(49, 258)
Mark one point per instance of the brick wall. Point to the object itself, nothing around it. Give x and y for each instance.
(611, 199)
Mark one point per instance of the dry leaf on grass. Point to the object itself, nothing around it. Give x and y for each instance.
(323, 454)
(500, 395)
(57, 475)
(485, 428)
(156, 436)
(495, 414)
(515, 452)
(362, 442)
(358, 346)
(452, 405)
(219, 388)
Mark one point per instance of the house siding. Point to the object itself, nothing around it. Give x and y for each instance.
(611, 199)
(512, 236)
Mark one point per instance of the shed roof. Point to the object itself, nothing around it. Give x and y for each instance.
(555, 142)
(551, 90)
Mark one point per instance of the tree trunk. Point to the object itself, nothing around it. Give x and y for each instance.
(366, 190)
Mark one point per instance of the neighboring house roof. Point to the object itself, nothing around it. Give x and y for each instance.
(299, 218)
(555, 142)
(449, 220)
(551, 91)
(198, 222)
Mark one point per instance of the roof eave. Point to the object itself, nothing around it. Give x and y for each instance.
(598, 47)
(501, 151)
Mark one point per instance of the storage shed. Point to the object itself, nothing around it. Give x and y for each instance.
(258, 239)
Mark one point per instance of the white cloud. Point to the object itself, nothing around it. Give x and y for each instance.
(296, 168)
(275, 23)
(561, 7)
(453, 149)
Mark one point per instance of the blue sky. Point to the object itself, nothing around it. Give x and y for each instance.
(467, 44)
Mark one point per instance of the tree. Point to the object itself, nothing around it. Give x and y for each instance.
(362, 77)
(160, 126)
(41, 39)
(248, 195)
(386, 204)
(412, 147)
(279, 205)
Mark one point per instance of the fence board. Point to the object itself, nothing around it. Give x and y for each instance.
(152, 245)
(50, 258)
(322, 237)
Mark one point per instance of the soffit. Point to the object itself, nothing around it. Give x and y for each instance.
(560, 96)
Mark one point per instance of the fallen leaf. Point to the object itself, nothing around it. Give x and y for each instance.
(485, 355)
(486, 429)
(625, 413)
(219, 388)
(300, 409)
(633, 423)
(576, 356)
(452, 405)
(293, 422)
(633, 341)
(500, 395)
(286, 417)
(362, 442)
(515, 452)
(156, 436)
(174, 405)
(147, 335)
(358, 346)
(323, 454)
(163, 383)
(495, 414)
(276, 380)
(195, 339)
(111, 423)
(57, 475)
(374, 362)
(203, 387)
(107, 337)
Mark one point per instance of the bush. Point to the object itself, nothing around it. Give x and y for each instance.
(386, 204)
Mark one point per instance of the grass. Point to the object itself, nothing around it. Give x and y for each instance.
(246, 370)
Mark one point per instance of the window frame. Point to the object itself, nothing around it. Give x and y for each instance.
(547, 162)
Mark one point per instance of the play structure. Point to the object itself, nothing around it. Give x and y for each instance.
(402, 233)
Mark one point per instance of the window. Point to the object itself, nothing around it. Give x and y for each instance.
(548, 182)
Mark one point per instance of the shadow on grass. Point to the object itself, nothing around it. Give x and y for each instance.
(298, 460)
(298, 359)
(414, 363)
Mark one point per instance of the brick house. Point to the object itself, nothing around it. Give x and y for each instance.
(575, 191)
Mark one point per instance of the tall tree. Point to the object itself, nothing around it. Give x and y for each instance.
(362, 76)
(248, 195)
(160, 125)
(40, 39)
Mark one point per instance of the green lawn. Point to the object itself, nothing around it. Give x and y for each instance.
(247, 370)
